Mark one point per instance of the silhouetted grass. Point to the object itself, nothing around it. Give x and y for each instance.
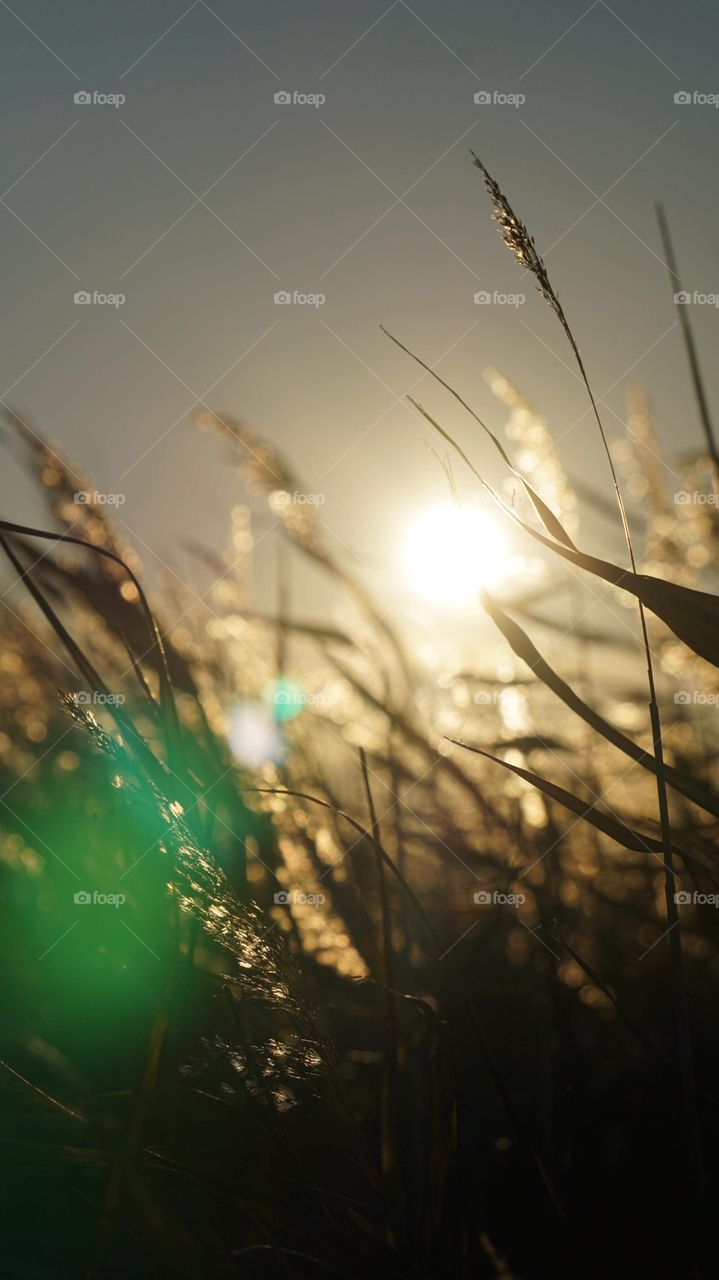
(378, 1074)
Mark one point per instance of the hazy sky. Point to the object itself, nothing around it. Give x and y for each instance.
(200, 197)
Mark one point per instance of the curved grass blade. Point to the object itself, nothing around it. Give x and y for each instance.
(167, 700)
(692, 615)
(521, 644)
(698, 386)
(151, 764)
(604, 822)
(545, 513)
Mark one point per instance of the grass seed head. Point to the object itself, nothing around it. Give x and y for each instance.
(517, 238)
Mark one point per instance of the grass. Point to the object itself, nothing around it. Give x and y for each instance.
(377, 1073)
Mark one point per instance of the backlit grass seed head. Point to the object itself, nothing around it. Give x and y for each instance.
(265, 472)
(262, 466)
(517, 238)
(539, 459)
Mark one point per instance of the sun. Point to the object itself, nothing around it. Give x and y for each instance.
(449, 552)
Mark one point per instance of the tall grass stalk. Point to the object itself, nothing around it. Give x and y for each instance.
(390, 1091)
(521, 243)
(689, 344)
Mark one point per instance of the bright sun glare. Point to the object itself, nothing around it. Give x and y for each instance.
(450, 551)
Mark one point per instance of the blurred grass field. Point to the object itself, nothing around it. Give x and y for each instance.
(324, 955)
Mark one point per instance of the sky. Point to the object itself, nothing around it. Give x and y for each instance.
(199, 197)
